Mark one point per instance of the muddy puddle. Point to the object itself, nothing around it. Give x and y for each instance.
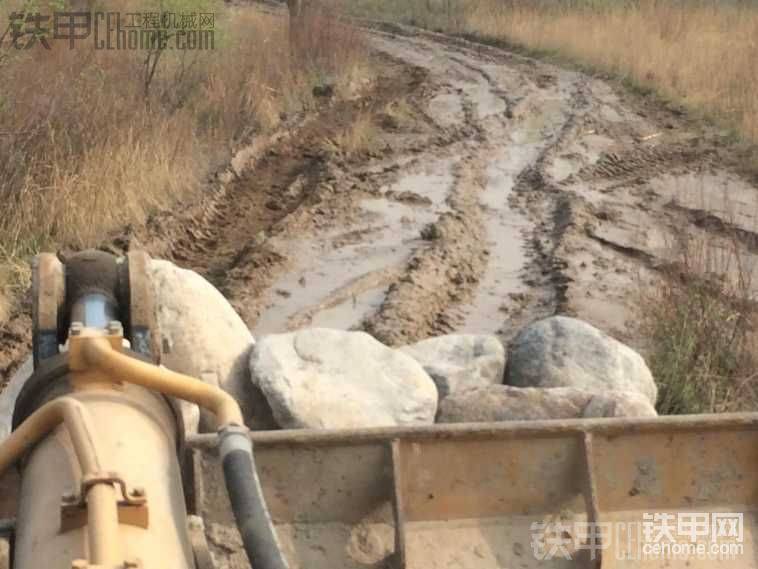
(517, 146)
(341, 277)
(447, 110)
(505, 229)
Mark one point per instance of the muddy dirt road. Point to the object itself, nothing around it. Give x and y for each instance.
(496, 189)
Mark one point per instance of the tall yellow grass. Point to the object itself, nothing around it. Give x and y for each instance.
(704, 55)
(83, 151)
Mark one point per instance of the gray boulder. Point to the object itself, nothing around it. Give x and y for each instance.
(506, 403)
(201, 335)
(458, 362)
(329, 379)
(565, 352)
(10, 393)
(619, 404)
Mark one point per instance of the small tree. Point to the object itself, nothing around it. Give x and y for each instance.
(159, 41)
(297, 14)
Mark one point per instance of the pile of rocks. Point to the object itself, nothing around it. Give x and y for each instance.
(557, 368)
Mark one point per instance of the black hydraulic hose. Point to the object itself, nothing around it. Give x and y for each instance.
(246, 496)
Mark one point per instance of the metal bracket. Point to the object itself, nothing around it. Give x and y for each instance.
(132, 508)
(48, 294)
(141, 325)
(134, 496)
(79, 334)
(199, 543)
(398, 506)
(5, 553)
(7, 526)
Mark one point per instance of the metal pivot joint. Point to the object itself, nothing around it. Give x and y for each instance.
(94, 303)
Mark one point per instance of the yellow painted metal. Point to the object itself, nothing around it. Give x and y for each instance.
(96, 354)
(101, 499)
(136, 437)
(116, 400)
(65, 410)
(102, 526)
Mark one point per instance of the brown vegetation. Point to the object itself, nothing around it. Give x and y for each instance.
(91, 140)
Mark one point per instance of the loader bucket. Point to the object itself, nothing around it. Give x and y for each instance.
(611, 493)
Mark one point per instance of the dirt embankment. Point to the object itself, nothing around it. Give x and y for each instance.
(485, 190)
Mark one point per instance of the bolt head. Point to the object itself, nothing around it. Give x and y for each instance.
(195, 522)
(69, 496)
(115, 328)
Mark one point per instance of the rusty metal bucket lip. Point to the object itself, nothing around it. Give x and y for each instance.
(525, 471)
(512, 429)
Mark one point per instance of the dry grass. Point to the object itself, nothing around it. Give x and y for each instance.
(701, 53)
(84, 151)
(358, 136)
(701, 325)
